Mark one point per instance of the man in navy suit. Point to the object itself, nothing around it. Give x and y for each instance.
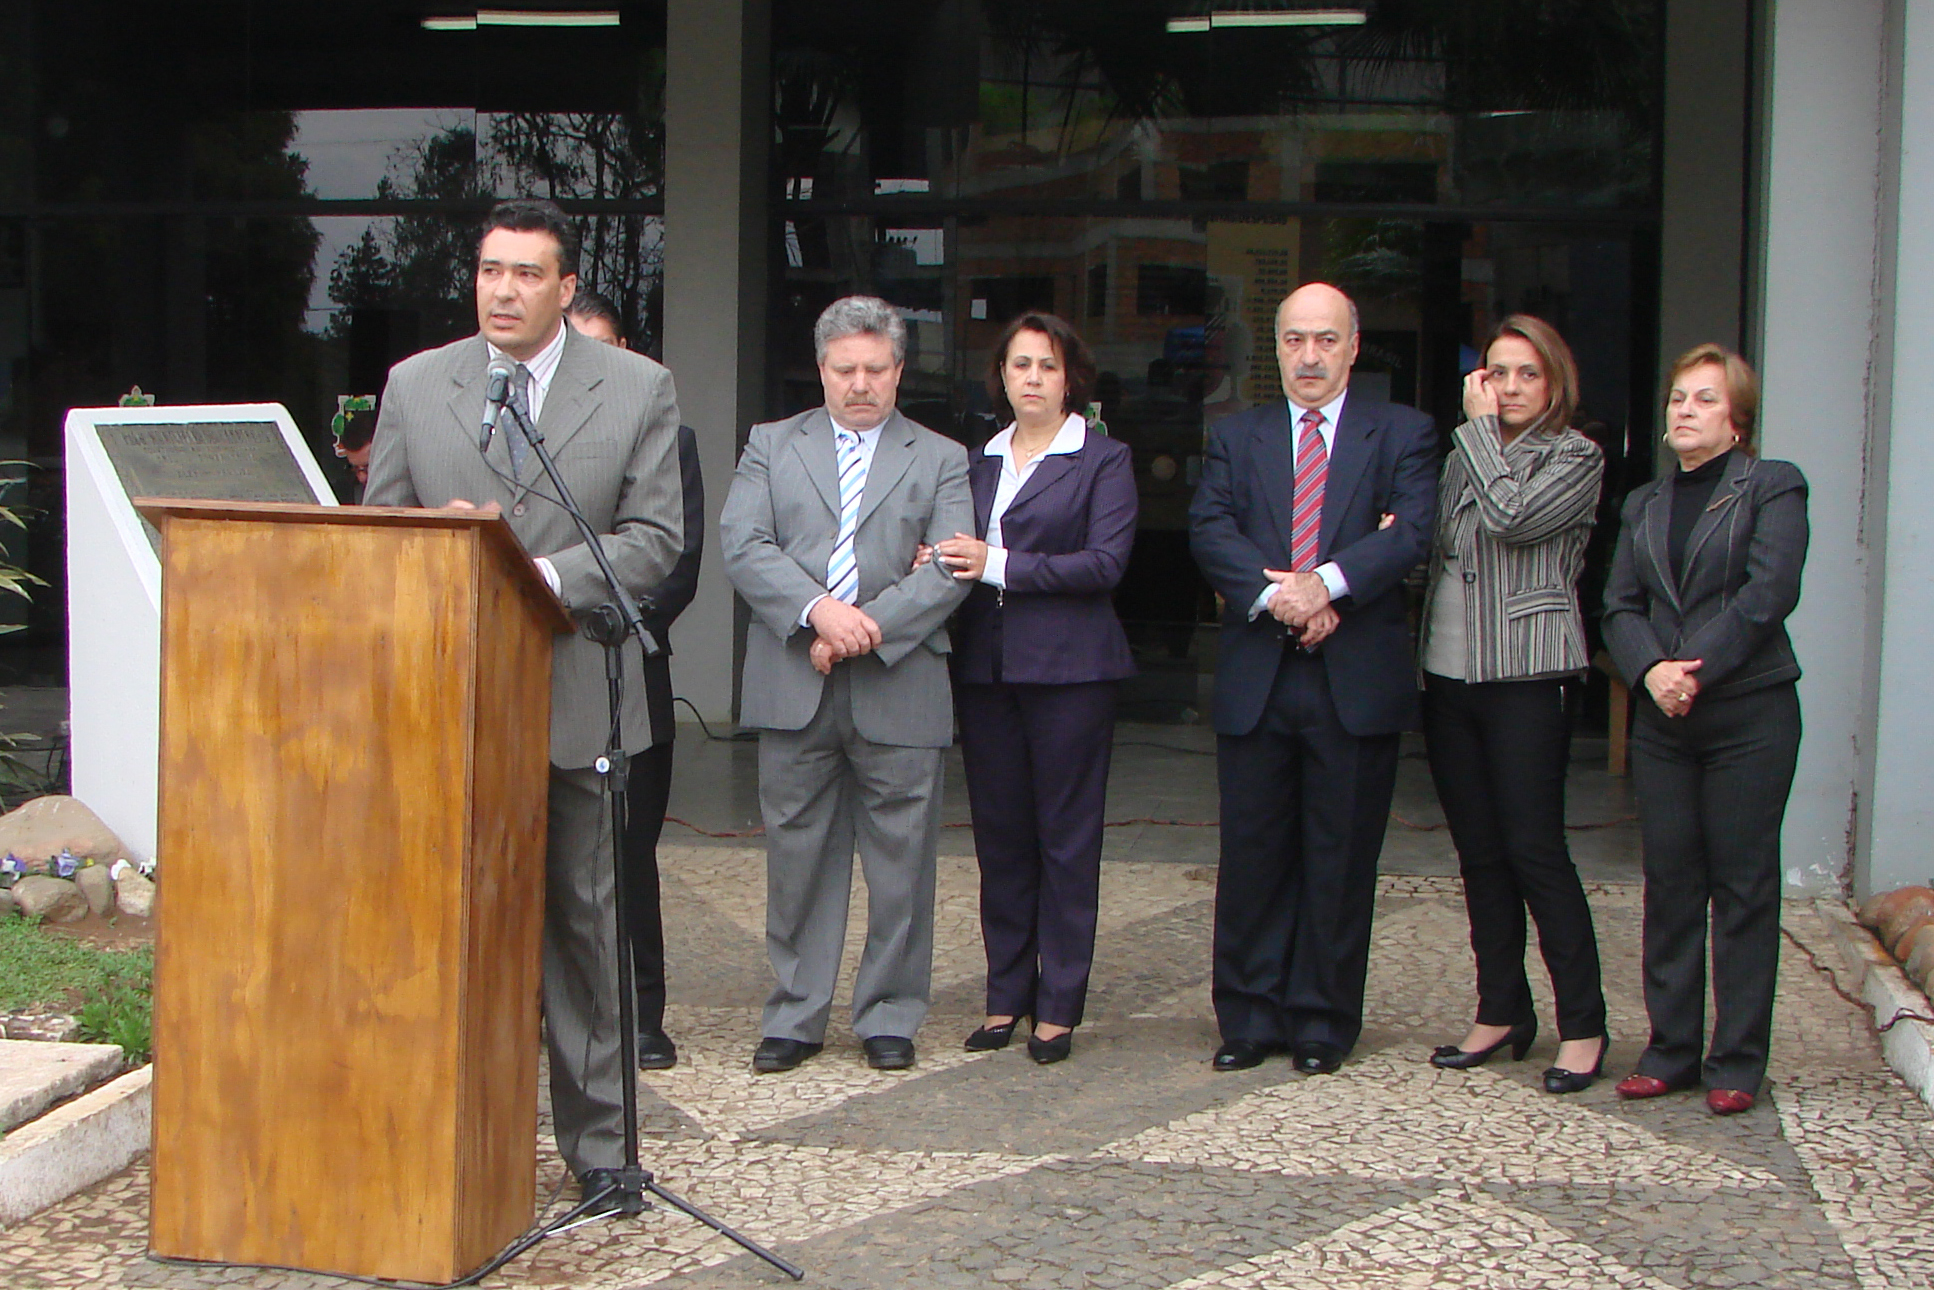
(1308, 518)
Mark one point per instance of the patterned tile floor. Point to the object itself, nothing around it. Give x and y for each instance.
(1133, 1164)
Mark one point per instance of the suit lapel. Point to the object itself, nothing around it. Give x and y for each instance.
(1275, 465)
(1656, 530)
(984, 476)
(572, 397)
(466, 406)
(1349, 456)
(1731, 484)
(1048, 472)
(814, 444)
(891, 457)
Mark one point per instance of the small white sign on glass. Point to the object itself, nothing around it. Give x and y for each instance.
(229, 452)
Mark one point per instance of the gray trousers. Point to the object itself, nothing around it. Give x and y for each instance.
(581, 975)
(822, 790)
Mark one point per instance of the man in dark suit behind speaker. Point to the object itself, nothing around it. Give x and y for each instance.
(650, 780)
(1309, 516)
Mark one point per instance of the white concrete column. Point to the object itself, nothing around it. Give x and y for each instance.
(1898, 846)
(718, 90)
(1820, 328)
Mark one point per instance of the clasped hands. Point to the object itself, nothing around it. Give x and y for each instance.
(1302, 601)
(845, 631)
(1302, 604)
(1673, 686)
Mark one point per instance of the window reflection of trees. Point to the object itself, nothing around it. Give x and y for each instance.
(426, 261)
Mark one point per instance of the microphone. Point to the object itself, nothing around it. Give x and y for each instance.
(496, 395)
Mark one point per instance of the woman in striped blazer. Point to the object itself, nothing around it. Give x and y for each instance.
(1503, 646)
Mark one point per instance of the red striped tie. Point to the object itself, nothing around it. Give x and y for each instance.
(1312, 469)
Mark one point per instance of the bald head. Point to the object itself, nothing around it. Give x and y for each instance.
(1316, 343)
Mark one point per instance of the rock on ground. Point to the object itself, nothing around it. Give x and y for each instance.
(134, 894)
(55, 899)
(44, 827)
(97, 887)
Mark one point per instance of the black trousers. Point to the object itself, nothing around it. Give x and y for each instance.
(1304, 808)
(1037, 760)
(648, 789)
(1498, 755)
(1712, 789)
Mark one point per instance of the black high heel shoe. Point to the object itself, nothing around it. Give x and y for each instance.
(989, 1039)
(1518, 1038)
(1560, 1080)
(1046, 1052)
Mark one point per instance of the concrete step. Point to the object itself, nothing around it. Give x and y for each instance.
(74, 1146)
(35, 1075)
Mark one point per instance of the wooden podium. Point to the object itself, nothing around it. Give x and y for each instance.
(355, 734)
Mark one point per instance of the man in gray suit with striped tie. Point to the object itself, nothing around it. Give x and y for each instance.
(609, 418)
(846, 680)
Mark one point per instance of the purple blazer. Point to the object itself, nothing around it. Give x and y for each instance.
(1068, 534)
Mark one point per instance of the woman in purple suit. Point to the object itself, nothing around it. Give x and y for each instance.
(1037, 655)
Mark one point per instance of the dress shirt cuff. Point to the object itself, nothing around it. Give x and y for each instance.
(806, 614)
(1261, 606)
(551, 580)
(995, 572)
(1333, 578)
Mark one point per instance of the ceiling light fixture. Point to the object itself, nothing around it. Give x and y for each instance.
(524, 18)
(1269, 18)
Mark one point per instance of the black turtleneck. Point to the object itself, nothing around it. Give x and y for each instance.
(1691, 494)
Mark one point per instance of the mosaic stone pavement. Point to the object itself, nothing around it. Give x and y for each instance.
(1135, 1165)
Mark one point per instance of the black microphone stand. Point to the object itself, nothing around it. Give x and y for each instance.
(610, 624)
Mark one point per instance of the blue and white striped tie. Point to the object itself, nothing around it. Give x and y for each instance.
(843, 570)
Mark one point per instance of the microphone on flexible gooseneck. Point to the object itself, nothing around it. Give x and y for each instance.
(496, 395)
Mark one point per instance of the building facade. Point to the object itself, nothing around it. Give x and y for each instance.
(259, 199)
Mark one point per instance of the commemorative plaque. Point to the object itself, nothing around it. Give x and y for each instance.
(230, 461)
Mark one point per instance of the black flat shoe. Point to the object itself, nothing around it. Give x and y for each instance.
(989, 1039)
(1518, 1039)
(1559, 1080)
(1047, 1052)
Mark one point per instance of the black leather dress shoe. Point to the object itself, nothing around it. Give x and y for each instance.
(782, 1054)
(1314, 1058)
(1241, 1054)
(656, 1051)
(888, 1052)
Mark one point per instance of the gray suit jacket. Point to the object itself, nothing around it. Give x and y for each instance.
(610, 420)
(1517, 519)
(777, 532)
(1742, 578)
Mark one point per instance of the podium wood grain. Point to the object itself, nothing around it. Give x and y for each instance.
(355, 707)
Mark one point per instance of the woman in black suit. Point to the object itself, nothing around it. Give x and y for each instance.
(1706, 570)
(1036, 657)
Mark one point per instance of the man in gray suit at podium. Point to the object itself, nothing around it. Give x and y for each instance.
(609, 418)
(846, 680)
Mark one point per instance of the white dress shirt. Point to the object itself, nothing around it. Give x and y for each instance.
(869, 440)
(542, 367)
(1069, 438)
(1328, 571)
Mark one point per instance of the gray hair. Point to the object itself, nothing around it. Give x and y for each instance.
(860, 316)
